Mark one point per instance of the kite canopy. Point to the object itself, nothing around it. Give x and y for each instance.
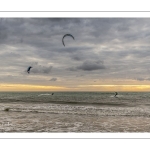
(65, 36)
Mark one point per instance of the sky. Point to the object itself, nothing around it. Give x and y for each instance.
(108, 54)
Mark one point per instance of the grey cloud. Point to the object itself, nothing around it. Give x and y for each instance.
(41, 69)
(68, 50)
(10, 55)
(81, 75)
(123, 28)
(140, 79)
(78, 58)
(3, 32)
(72, 69)
(91, 65)
(53, 79)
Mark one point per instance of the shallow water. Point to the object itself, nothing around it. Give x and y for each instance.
(74, 112)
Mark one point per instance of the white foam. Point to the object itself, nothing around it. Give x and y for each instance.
(44, 94)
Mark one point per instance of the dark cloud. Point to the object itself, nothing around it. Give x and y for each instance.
(41, 69)
(81, 75)
(72, 69)
(53, 79)
(140, 79)
(143, 79)
(91, 65)
(78, 58)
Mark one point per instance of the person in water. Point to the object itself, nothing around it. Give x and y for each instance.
(116, 94)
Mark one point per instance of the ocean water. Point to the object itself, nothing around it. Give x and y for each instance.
(74, 112)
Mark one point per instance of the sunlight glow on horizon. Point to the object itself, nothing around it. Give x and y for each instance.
(25, 87)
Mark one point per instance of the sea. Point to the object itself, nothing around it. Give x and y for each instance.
(74, 112)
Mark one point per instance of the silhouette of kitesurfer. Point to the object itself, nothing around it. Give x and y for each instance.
(52, 93)
(116, 94)
(28, 70)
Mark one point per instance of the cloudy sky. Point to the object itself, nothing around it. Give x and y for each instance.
(108, 54)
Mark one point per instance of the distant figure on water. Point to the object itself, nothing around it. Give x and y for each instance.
(116, 94)
(52, 93)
